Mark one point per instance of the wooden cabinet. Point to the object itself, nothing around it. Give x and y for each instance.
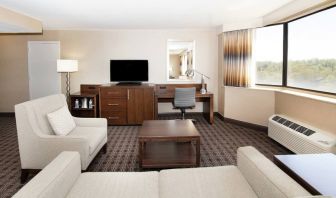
(127, 105)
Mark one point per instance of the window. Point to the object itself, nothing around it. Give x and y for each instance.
(312, 52)
(268, 55)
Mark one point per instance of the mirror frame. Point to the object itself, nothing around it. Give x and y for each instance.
(167, 62)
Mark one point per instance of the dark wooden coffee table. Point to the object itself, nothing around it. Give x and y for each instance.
(315, 172)
(169, 144)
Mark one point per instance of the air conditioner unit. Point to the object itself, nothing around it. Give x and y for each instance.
(300, 137)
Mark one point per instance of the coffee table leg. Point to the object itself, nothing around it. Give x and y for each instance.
(140, 153)
(198, 152)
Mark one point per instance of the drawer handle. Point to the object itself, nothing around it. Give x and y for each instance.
(113, 118)
(113, 104)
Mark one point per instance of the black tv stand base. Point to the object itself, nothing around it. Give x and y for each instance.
(129, 83)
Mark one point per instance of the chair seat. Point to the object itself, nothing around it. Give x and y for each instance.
(116, 185)
(214, 182)
(95, 135)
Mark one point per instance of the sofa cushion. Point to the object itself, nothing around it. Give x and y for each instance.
(95, 135)
(211, 182)
(61, 121)
(116, 185)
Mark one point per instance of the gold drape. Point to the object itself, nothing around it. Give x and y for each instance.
(237, 57)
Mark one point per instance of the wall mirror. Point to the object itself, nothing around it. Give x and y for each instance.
(180, 59)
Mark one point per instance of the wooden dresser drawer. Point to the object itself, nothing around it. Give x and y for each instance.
(113, 93)
(115, 118)
(114, 104)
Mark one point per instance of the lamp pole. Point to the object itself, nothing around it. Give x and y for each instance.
(68, 87)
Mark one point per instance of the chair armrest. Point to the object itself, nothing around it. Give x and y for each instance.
(90, 122)
(57, 178)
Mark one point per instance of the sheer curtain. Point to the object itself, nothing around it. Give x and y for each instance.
(237, 57)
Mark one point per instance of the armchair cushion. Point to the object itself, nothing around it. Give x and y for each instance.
(61, 121)
(94, 135)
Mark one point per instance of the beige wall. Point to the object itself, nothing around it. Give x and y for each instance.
(314, 112)
(249, 105)
(255, 106)
(94, 49)
(221, 98)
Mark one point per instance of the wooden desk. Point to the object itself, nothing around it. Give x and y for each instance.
(315, 172)
(165, 93)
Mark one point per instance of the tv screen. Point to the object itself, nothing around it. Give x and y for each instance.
(128, 70)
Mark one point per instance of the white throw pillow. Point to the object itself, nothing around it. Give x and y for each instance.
(61, 121)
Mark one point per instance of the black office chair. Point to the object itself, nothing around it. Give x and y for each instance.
(184, 99)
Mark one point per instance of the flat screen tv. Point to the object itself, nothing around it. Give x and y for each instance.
(129, 71)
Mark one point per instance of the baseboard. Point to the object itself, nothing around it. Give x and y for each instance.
(242, 123)
(7, 114)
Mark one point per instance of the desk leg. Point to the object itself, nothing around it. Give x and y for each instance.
(208, 110)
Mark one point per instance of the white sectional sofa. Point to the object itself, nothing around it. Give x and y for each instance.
(38, 144)
(255, 176)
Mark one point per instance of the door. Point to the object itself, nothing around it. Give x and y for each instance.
(42, 68)
(135, 106)
(140, 105)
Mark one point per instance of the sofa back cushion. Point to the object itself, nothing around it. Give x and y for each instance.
(42, 106)
(266, 179)
(56, 179)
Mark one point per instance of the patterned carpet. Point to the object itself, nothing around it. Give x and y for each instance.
(219, 143)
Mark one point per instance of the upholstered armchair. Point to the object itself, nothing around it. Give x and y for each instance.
(38, 145)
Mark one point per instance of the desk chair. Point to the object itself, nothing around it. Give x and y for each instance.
(184, 99)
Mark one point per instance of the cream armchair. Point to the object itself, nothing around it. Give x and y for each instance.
(38, 145)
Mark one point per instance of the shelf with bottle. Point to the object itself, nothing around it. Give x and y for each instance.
(84, 105)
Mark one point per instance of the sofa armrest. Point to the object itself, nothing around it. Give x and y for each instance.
(265, 178)
(56, 179)
(90, 122)
(51, 145)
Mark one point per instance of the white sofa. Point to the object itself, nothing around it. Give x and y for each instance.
(38, 145)
(255, 176)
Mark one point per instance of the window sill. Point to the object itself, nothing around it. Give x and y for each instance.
(327, 98)
(297, 92)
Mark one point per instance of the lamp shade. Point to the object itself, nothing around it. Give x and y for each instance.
(64, 65)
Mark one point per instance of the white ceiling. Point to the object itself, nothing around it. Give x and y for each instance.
(141, 14)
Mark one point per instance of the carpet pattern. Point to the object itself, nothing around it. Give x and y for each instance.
(219, 143)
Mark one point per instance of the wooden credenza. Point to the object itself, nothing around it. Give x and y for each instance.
(126, 104)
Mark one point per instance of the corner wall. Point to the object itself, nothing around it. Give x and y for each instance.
(255, 106)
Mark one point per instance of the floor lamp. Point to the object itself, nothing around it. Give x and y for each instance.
(67, 66)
